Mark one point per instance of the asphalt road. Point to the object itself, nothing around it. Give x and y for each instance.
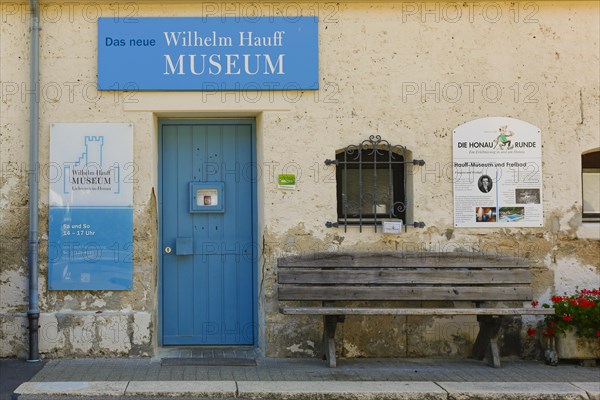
(46, 397)
(13, 373)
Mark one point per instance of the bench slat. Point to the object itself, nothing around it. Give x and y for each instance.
(396, 260)
(413, 311)
(332, 293)
(366, 277)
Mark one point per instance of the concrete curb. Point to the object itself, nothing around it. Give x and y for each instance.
(340, 390)
(72, 388)
(211, 389)
(592, 389)
(513, 391)
(323, 390)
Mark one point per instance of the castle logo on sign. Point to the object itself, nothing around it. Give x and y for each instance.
(88, 173)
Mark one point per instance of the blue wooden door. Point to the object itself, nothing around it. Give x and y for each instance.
(208, 268)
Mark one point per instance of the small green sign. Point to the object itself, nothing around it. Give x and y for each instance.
(286, 181)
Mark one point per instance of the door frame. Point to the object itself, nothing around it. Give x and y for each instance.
(254, 199)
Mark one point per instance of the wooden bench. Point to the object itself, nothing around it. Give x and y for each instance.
(331, 278)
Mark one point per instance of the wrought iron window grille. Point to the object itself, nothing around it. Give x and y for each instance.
(371, 184)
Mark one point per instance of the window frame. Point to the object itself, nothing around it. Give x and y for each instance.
(368, 161)
(399, 173)
(590, 164)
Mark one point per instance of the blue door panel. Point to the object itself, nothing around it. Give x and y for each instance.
(185, 306)
(169, 229)
(202, 294)
(208, 296)
(169, 306)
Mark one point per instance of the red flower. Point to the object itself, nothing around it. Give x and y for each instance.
(586, 303)
(531, 332)
(593, 292)
(535, 303)
(577, 311)
(549, 332)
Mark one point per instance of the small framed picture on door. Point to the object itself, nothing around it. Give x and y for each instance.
(207, 197)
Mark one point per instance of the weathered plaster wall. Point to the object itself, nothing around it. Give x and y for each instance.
(412, 82)
(72, 323)
(409, 71)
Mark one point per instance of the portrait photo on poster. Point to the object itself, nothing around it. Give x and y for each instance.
(485, 184)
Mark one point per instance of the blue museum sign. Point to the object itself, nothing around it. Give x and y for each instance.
(208, 54)
(91, 248)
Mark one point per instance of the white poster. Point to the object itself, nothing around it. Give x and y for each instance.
(497, 168)
(92, 164)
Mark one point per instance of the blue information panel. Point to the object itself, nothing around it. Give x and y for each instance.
(91, 207)
(208, 54)
(94, 249)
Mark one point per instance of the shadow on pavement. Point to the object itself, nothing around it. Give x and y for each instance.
(14, 372)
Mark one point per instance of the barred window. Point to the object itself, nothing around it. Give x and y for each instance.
(372, 183)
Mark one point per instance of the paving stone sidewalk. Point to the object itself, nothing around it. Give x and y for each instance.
(272, 369)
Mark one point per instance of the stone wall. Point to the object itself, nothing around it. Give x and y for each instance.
(408, 71)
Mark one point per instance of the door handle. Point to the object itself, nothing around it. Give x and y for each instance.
(168, 250)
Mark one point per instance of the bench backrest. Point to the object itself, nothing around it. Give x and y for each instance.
(396, 276)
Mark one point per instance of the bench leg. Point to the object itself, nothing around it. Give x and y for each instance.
(486, 345)
(329, 326)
